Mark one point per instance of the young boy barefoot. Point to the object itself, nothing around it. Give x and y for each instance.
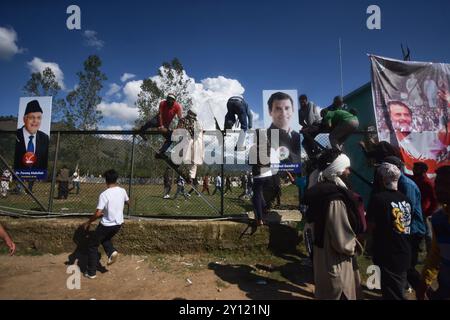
(110, 208)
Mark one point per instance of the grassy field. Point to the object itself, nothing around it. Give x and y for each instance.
(145, 200)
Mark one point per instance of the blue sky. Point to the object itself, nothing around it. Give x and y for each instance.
(261, 44)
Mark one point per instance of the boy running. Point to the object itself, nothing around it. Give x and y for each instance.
(110, 208)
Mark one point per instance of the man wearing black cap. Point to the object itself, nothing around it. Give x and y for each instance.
(31, 140)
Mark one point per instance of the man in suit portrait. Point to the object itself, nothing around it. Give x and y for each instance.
(281, 110)
(31, 140)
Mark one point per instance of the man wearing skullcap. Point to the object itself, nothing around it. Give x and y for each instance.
(333, 214)
(31, 139)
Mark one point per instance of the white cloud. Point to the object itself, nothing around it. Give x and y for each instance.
(91, 40)
(209, 97)
(118, 110)
(113, 127)
(127, 76)
(131, 91)
(8, 43)
(38, 65)
(113, 89)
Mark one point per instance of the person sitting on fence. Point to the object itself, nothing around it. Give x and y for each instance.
(110, 207)
(168, 109)
(341, 124)
(338, 104)
(180, 188)
(5, 181)
(310, 120)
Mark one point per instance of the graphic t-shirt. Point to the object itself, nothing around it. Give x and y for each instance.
(391, 213)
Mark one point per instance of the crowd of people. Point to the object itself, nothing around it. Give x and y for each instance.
(403, 211)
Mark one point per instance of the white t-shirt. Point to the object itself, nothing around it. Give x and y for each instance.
(111, 202)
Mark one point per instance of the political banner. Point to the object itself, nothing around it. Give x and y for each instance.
(281, 113)
(32, 140)
(411, 103)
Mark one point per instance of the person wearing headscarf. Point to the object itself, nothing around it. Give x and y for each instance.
(390, 218)
(333, 214)
(194, 154)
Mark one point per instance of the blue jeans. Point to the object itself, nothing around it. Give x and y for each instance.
(236, 109)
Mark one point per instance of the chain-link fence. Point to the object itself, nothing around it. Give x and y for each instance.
(90, 154)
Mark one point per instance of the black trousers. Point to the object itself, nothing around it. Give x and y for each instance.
(393, 284)
(63, 189)
(154, 123)
(103, 236)
(413, 275)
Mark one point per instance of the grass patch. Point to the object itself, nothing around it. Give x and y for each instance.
(145, 200)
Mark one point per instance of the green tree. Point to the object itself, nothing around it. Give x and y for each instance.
(171, 78)
(82, 112)
(44, 84)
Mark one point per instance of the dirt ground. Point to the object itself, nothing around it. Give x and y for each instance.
(159, 277)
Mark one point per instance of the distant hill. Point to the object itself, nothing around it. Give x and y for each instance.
(8, 123)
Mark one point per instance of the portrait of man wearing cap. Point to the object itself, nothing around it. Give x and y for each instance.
(30, 140)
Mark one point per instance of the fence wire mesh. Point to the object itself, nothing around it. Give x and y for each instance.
(140, 173)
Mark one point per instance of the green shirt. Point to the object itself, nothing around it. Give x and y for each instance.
(338, 116)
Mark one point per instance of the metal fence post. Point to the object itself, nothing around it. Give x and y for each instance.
(52, 187)
(222, 175)
(131, 172)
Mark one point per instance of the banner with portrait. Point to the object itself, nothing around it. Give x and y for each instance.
(411, 103)
(280, 109)
(33, 136)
